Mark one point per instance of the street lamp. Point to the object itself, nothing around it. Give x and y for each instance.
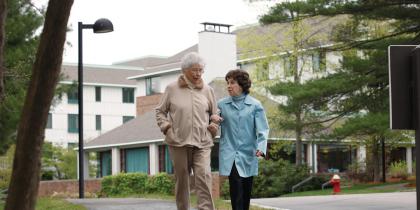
(100, 26)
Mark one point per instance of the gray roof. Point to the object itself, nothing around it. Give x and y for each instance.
(318, 28)
(98, 74)
(144, 62)
(171, 64)
(143, 128)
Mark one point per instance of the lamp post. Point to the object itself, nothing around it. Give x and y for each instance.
(100, 26)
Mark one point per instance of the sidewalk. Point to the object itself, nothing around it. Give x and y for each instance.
(124, 204)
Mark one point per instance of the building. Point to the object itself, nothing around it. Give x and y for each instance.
(109, 101)
(138, 145)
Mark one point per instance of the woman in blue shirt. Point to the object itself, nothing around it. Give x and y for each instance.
(244, 133)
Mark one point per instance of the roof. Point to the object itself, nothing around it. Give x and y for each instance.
(254, 41)
(144, 62)
(171, 64)
(142, 129)
(112, 75)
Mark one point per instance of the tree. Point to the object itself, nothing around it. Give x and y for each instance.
(359, 89)
(3, 5)
(295, 53)
(24, 184)
(19, 55)
(58, 162)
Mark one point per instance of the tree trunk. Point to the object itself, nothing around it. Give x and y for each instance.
(23, 188)
(3, 13)
(376, 160)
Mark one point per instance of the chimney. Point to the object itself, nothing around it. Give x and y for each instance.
(217, 46)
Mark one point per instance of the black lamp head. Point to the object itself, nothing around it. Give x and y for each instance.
(103, 25)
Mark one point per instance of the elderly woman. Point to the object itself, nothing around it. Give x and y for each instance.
(244, 132)
(183, 116)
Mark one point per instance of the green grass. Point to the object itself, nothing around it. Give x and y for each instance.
(53, 203)
(357, 189)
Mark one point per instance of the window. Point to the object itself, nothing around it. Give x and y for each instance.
(49, 121)
(97, 93)
(127, 118)
(137, 160)
(72, 96)
(152, 85)
(98, 121)
(287, 67)
(318, 62)
(105, 161)
(262, 71)
(73, 123)
(71, 145)
(128, 95)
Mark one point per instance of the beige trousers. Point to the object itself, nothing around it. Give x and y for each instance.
(184, 159)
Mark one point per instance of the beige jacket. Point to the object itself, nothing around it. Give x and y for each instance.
(183, 114)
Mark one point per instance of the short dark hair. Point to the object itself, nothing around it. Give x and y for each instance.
(241, 77)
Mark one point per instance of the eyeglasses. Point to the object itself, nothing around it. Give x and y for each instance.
(197, 70)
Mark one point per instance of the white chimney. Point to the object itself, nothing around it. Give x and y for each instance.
(217, 46)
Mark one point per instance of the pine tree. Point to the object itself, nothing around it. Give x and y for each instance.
(21, 41)
(358, 90)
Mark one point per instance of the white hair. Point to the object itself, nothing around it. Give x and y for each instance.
(190, 59)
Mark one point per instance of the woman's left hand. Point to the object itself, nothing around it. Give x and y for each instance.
(259, 153)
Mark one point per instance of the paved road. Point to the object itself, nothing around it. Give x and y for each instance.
(124, 204)
(376, 201)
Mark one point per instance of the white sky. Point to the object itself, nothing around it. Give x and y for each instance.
(150, 27)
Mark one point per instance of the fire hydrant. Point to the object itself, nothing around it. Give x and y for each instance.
(335, 182)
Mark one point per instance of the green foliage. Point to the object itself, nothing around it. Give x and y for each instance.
(136, 183)
(6, 163)
(22, 23)
(277, 177)
(398, 170)
(58, 163)
(160, 183)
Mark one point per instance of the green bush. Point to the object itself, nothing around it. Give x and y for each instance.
(398, 170)
(276, 178)
(136, 183)
(160, 183)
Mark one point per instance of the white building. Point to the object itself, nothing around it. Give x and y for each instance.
(109, 101)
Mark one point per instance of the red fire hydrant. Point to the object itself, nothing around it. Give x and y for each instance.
(335, 182)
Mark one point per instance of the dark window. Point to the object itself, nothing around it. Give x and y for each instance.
(127, 118)
(98, 122)
(73, 123)
(72, 97)
(49, 122)
(128, 95)
(97, 93)
(262, 71)
(318, 62)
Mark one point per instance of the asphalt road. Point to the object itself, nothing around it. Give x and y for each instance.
(376, 201)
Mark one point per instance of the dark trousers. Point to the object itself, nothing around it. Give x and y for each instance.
(240, 190)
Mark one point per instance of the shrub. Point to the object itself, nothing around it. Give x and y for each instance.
(160, 183)
(276, 178)
(136, 183)
(398, 170)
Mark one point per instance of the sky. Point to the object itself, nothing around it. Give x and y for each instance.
(150, 27)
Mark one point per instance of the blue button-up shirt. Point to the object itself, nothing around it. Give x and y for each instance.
(244, 130)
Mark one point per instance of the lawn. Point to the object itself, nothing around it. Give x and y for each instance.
(53, 203)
